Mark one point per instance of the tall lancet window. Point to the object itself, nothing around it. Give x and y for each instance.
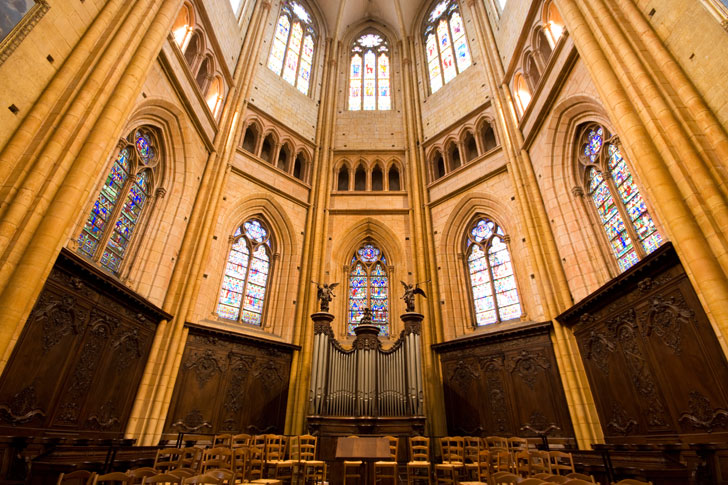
(292, 53)
(369, 288)
(244, 284)
(369, 74)
(492, 281)
(606, 173)
(446, 45)
(121, 204)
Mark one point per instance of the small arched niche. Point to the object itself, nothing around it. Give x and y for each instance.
(250, 139)
(454, 156)
(284, 155)
(298, 166)
(342, 182)
(360, 178)
(182, 25)
(471, 148)
(393, 176)
(193, 47)
(438, 165)
(266, 151)
(204, 73)
(488, 137)
(377, 178)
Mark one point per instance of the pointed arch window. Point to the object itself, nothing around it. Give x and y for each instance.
(369, 74)
(293, 46)
(446, 44)
(245, 282)
(605, 174)
(121, 204)
(369, 288)
(492, 280)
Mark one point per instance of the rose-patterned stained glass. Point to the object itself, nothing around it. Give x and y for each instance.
(243, 290)
(369, 288)
(492, 280)
(620, 207)
(369, 73)
(446, 44)
(108, 230)
(291, 55)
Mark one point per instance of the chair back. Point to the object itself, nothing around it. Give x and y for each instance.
(241, 457)
(561, 463)
(496, 443)
(220, 457)
(501, 461)
(183, 472)
(517, 444)
(256, 462)
(203, 479)
(471, 446)
(167, 459)
(222, 440)
(632, 481)
(307, 445)
(540, 462)
(240, 440)
(419, 448)
(453, 449)
(581, 476)
(190, 458)
(275, 449)
(530, 481)
(164, 478)
(138, 473)
(115, 478)
(484, 465)
(505, 478)
(556, 479)
(522, 463)
(226, 476)
(577, 481)
(78, 477)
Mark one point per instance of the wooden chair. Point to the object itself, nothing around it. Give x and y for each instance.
(561, 463)
(471, 449)
(78, 477)
(483, 468)
(222, 440)
(167, 459)
(522, 463)
(581, 476)
(501, 461)
(496, 443)
(453, 460)
(631, 481)
(517, 444)
(226, 477)
(138, 473)
(352, 468)
(313, 470)
(540, 463)
(532, 481)
(183, 472)
(256, 462)
(115, 478)
(387, 469)
(419, 447)
(219, 457)
(577, 481)
(275, 453)
(163, 478)
(542, 476)
(239, 440)
(556, 479)
(505, 478)
(190, 458)
(241, 456)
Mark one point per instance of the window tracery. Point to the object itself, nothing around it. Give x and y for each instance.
(492, 280)
(605, 174)
(369, 74)
(446, 45)
(247, 270)
(121, 203)
(369, 288)
(291, 55)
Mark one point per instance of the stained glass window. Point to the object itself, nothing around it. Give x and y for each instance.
(244, 283)
(625, 217)
(369, 288)
(446, 45)
(492, 281)
(369, 74)
(110, 226)
(291, 55)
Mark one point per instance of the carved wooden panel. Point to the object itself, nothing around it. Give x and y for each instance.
(498, 383)
(80, 358)
(230, 383)
(654, 364)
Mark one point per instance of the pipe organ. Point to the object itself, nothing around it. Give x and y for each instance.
(366, 380)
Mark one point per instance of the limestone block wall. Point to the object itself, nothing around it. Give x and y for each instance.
(228, 31)
(56, 34)
(507, 25)
(254, 188)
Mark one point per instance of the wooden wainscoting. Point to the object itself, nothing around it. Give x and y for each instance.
(653, 361)
(498, 382)
(230, 383)
(80, 358)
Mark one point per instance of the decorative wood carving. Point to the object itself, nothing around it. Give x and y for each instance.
(83, 348)
(504, 382)
(229, 382)
(654, 365)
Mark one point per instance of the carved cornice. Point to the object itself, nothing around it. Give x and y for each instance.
(22, 29)
(202, 330)
(492, 337)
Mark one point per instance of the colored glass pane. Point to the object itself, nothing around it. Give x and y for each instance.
(255, 231)
(480, 284)
(384, 98)
(383, 65)
(431, 48)
(300, 12)
(369, 288)
(482, 230)
(304, 71)
(144, 148)
(369, 253)
(278, 51)
(290, 68)
(439, 10)
(370, 66)
(595, 139)
(462, 54)
(355, 95)
(435, 77)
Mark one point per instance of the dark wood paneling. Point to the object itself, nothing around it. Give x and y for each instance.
(495, 384)
(654, 364)
(230, 383)
(81, 355)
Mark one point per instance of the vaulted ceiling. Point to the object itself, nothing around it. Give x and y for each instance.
(397, 14)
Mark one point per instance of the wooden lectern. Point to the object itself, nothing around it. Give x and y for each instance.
(367, 449)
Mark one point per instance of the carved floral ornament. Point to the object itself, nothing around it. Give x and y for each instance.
(528, 365)
(205, 366)
(702, 415)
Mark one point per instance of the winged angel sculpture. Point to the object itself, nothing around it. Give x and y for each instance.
(325, 294)
(409, 295)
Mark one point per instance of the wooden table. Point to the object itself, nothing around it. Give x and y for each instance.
(367, 449)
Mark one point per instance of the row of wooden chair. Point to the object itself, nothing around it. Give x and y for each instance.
(505, 478)
(147, 475)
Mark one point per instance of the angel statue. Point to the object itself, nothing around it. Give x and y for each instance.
(409, 295)
(325, 294)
